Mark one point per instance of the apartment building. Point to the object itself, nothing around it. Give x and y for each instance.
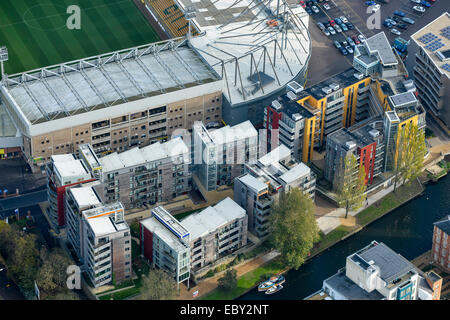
(219, 155)
(165, 243)
(303, 118)
(375, 272)
(113, 101)
(441, 243)
(106, 244)
(63, 171)
(99, 235)
(215, 232)
(279, 172)
(365, 142)
(145, 176)
(432, 69)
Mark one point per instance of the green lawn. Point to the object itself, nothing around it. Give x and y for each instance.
(36, 34)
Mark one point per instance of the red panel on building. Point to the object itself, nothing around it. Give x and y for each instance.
(366, 160)
(273, 121)
(148, 244)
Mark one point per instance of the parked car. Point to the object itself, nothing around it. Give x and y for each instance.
(387, 24)
(416, 1)
(303, 4)
(315, 9)
(356, 40)
(361, 37)
(332, 31)
(338, 29)
(337, 44)
(393, 22)
(399, 13)
(384, 1)
(344, 43)
(375, 7)
(344, 27)
(326, 32)
(309, 11)
(396, 19)
(332, 23)
(343, 19)
(351, 42)
(408, 20)
(326, 24)
(326, 6)
(425, 3)
(370, 3)
(419, 9)
(338, 21)
(350, 26)
(343, 51)
(396, 32)
(349, 49)
(320, 26)
(402, 26)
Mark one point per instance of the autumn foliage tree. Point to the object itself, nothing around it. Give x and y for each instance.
(294, 229)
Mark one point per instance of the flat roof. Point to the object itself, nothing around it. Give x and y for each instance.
(277, 154)
(237, 132)
(392, 265)
(434, 38)
(300, 170)
(255, 184)
(402, 99)
(137, 156)
(155, 226)
(163, 216)
(350, 290)
(102, 226)
(379, 44)
(68, 166)
(107, 80)
(85, 196)
(208, 220)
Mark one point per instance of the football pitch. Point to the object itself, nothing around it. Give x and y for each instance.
(36, 33)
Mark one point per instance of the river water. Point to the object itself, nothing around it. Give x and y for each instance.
(407, 230)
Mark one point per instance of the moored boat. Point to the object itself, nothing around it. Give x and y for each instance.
(274, 288)
(274, 280)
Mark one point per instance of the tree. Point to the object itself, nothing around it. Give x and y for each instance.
(411, 151)
(293, 227)
(158, 285)
(24, 261)
(52, 275)
(229, 281)
(66, 295)
(351, 189)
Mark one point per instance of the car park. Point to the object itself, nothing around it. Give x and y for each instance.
(397, 19)
(309, 11)
(315, 9)
(396, 32)
(425, 4)
(326, 32)
(408, 20)
(351, 42)
(332, 31)
(320, 25)
(338, 29)
(402, 26)
(419, 9)
(375, 8)
(337, 44)
(399, 13)
(326, 24)
(349, 49)
(350, 26)
(343, 19)
(343, 51)
(361, 37)
(326, 6)
(384, 1)
(356, 40)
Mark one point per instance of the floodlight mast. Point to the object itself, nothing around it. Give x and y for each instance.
(3, 58)
(189, 14)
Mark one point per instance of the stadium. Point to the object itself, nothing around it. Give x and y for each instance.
(145, 67)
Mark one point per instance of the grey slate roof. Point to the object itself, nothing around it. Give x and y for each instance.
(444, 224)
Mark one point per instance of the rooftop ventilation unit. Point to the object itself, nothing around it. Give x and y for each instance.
(294, 87)
(358, 75)
(334, 86)
(292, 96)
(276, 105)
(374, 133)
(297, 117)
(350, 144)
(327, 90)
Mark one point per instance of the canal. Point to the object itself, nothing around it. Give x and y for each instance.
(407, 230)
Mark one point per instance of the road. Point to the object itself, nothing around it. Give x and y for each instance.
(8, 289)
(29, 199)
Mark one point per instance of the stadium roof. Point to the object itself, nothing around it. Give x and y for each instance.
(107, 80)
(254, 57)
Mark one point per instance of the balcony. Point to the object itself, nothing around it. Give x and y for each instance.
(264, 202)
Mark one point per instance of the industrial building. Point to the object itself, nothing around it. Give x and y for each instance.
(432, 69)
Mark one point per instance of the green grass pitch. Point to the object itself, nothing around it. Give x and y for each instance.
(36, 35)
